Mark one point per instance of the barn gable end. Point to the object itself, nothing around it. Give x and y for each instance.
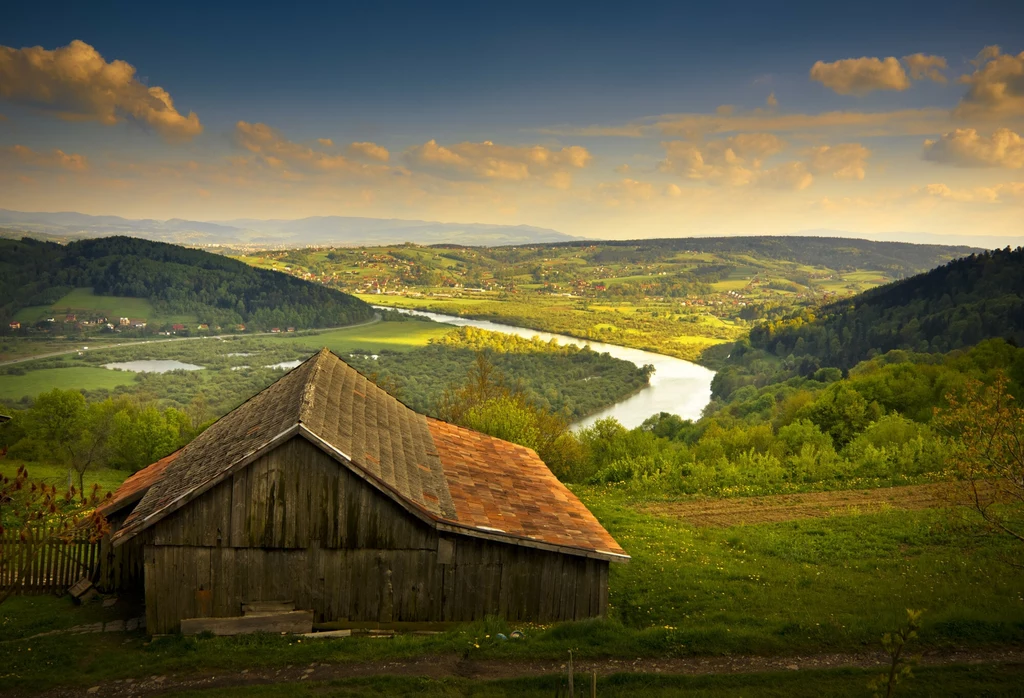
(295, 524)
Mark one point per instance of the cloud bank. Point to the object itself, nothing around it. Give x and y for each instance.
(74, 82)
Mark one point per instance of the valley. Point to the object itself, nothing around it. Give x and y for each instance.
(776, 505)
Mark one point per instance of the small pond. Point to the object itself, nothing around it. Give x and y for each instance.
(286, 364)
(153, 366)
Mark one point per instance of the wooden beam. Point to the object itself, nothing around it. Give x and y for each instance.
(297, 622)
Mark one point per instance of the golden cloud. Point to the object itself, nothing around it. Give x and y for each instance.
(843, 161)
(75, 82)
(925, 67)
(625, 192)
(996, 87)
(488, 160)
(965, 147)
(50, 160)
(859, 76)
(735, 161)
(921, 122)
(272, 149)
(369, 150)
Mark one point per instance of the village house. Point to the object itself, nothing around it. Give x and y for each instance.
(14, 325)
(326, 491)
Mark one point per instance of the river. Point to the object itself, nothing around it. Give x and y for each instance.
(677, 386)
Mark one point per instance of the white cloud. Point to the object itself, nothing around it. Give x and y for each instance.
(75, 82)
(965, 147)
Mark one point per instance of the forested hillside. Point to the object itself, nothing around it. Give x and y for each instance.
(952, 307)
(213, 288)
(830, 252)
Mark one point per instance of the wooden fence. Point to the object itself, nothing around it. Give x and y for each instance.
(50, 566)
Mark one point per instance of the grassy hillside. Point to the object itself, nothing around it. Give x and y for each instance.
(166, 283)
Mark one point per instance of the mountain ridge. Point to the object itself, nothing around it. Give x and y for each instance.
(312, 230)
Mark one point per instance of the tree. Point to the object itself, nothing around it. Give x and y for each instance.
(487, 403)
(36, 515)
(987, 454)
(75, 433)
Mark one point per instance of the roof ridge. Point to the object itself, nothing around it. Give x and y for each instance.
(306, 403)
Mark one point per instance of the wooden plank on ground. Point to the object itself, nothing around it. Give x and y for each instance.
(289, 622)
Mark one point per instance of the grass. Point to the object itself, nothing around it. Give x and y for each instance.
(798, 587)
(411, 302)
(108, 479)
(82, 300)
(33, 382)
(811, 585)
(1003, 680)
(396, 336)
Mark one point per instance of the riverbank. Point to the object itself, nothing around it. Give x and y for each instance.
(623, 323)
(676, 386)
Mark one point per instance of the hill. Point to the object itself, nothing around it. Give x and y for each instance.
(248, 232)
(128, 276)
(957, 305)
(839, 253)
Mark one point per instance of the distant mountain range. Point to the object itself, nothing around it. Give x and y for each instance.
(316, 230)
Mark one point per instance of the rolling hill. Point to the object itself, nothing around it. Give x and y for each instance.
(174, 282)
(954, 306)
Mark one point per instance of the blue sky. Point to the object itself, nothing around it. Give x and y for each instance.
(462, 95)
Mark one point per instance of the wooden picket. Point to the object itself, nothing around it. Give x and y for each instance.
(54, 567)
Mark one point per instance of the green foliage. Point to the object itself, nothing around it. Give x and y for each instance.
(62, 428)
(900, 666)
(563, 379)
(871, 428)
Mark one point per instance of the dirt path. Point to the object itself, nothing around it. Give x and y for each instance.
(453, 666)
(789, 507)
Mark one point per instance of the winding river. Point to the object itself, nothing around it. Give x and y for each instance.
(677, 386)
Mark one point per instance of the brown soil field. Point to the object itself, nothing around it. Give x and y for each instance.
(811, 505)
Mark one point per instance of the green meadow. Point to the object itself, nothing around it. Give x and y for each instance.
(40, 380)
(84, 301)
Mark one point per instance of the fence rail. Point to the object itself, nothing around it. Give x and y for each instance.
(45, 565)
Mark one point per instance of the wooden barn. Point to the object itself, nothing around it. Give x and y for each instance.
(325, 491)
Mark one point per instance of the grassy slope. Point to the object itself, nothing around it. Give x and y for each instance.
(83, 300)
(80, 378)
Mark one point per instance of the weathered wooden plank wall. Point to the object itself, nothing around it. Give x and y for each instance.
(295, 525)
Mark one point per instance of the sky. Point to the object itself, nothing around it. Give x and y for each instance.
(598, 119)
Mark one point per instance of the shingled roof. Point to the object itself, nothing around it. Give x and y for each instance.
(133, 489)
(453, 478)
